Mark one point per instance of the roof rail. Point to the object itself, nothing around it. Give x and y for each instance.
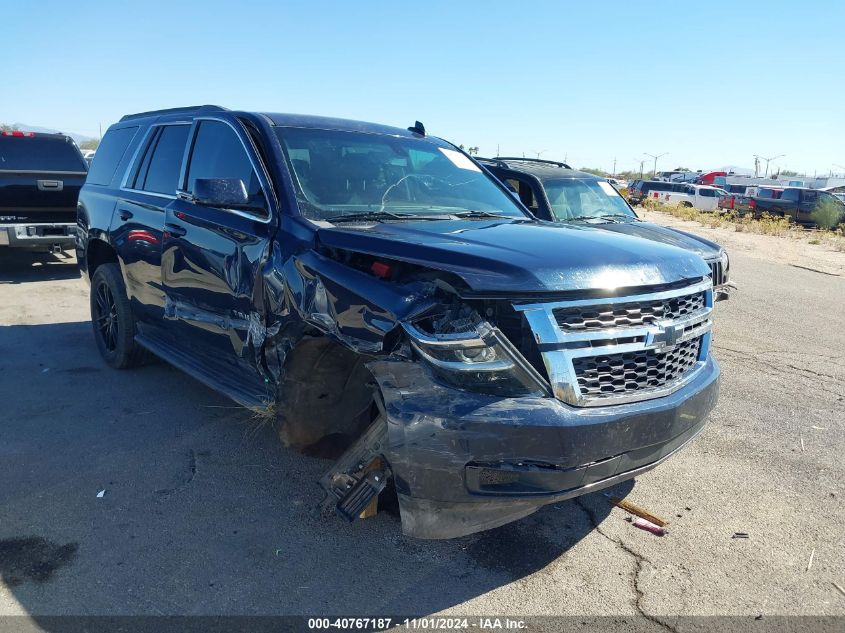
(495, 161)
(200, 109)
(532, 160)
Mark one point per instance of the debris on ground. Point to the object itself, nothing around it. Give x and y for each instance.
(648, 526)
(839, 588)
(637, 510)
(812, 555)
(101, 494)
(741, 535)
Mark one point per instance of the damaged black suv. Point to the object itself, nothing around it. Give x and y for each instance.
(378, 286)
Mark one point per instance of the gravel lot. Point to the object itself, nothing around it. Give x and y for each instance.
(205, 513)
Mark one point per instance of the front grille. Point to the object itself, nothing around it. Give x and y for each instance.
(614, 350)
(634, 314)
(716, 273)
(613, 374)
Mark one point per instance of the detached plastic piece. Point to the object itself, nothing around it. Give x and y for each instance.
(648, 526)
(359, 496)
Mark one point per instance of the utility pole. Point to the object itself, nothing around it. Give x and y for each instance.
(655, 157)
(642, 162)
(614, 167)
(768, 160)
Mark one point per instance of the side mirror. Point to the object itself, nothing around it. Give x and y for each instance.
(221, 192)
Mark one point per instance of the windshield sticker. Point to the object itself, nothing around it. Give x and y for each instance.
(608, 188)
(459, 160)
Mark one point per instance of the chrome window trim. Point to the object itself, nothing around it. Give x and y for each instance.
(260, 171)
(145, 141)
(556, 349)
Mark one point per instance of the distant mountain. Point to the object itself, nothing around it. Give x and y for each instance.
(739, 171)
(79, 138)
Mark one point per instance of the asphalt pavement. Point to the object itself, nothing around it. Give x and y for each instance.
(143, 492)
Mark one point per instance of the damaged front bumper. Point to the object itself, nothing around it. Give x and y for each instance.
(465, 462)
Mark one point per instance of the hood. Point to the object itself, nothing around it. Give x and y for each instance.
(665, 235)
(518, 256)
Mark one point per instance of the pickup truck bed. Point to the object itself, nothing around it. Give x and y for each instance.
(40, 179)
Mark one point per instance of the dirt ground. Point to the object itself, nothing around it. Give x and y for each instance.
(792, 251)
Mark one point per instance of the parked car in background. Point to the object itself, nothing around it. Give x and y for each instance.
(642, 189)
(377, 287)
(701, 197)
(735, 203)
(40, 178)
(709, 178)
(618, 183)
(797, 203)
(557, 193)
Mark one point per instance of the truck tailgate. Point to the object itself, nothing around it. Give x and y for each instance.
(39, 197)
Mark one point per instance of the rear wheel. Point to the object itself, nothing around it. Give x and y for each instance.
(112, 320)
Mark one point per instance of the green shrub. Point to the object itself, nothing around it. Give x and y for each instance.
(827, 214)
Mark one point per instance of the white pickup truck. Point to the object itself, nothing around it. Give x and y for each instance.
(702, 197)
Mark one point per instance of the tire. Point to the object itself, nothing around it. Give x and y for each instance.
(112, 320)
(687, 204)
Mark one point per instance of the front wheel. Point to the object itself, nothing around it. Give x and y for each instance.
(112, 320)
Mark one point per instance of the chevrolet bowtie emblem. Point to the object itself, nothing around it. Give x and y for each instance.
(666, 337)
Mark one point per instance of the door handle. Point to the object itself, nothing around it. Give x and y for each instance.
(125, 215)
(176, 230)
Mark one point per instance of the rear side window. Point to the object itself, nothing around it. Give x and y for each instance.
(40, 153)
(707, 193)
(219, 153)
(109, 154)
(163, 160)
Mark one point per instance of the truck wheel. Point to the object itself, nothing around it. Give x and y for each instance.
(687, 204)
(112, 320)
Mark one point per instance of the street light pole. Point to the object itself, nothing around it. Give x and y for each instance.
(654, 172)
(768, 160)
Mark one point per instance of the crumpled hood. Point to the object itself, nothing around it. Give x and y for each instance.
(665, 235)
(522, 255)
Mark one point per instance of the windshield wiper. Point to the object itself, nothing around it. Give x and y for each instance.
(480, 214)
(583, 218)
(621, 215)
(601, 218)
(380, 216)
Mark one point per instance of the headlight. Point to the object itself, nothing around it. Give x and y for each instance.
(480, 360)
(726, 264)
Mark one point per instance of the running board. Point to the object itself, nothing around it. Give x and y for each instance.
(254, 396)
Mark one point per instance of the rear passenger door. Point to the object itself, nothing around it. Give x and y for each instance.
(148, 186)
(212, 255)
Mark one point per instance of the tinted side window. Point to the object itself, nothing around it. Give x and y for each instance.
(109, 154)
(790, 194)
(163, 172)
(526, 193)
(707, 193)
(219, 153)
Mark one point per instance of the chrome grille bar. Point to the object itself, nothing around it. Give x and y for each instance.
(561, 347)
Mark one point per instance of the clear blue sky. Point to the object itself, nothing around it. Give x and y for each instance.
(711, 83)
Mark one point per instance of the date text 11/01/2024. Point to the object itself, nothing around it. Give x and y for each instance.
(430, 624)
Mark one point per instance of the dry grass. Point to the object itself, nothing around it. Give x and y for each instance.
(766, 225)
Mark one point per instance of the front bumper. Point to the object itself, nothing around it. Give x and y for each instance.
(37, 235)
(464, 462)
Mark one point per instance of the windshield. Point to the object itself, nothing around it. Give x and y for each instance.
(340, 173)
(572, 199)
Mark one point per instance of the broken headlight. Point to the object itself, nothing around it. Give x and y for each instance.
(478, 359)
